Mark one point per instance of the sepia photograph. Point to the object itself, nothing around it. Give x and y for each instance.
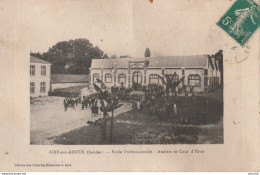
(149, 100)
(109, 93)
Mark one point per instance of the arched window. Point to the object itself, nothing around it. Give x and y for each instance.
(121, 78)
(95, 76)
(194, 80)
(108, 78)
(153, 79)
(137, 77)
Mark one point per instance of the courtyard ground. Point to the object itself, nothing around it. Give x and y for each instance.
(48, 118)
(50, 124)
(136, 127)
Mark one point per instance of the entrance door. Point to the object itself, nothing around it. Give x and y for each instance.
(137, 77)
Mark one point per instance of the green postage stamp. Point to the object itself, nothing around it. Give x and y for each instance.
(241, 20)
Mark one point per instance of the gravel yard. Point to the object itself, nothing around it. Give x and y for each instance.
(48, 118)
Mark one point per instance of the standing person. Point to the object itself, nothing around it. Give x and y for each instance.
(138, 105)
(191, 89)
(93, 101)
(83, 104)
(89, 101)
(79, 99)
(73, 102)
(141, 105)
(76, 101)
(65, 103)
(92, 111)
(133, 105)
(96, 110)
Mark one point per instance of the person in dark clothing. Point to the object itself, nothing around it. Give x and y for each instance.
(82, 104)
(76, 101)
(89, 101)
(65, 103)
(191, 89)
(73, 102)
(79, 99)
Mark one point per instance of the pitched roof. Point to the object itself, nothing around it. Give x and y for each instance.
(166, 62)
(38, 60)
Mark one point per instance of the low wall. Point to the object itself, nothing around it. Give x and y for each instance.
(69, 78)
(66, 85)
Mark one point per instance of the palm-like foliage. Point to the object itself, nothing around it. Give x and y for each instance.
(171, 83)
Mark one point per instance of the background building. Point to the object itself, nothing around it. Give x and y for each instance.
(40, 73)
(200, 71)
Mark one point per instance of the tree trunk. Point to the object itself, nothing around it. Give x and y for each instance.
(105, 125)
(172, 92)
(112, 120)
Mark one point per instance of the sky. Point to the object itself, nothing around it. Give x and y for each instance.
(127, 27)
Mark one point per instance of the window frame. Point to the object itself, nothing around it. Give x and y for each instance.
(32, 83)
(194, 77)
(32, 70)
(44, 87)
(43, 70)
(121, 76)
(153, 76)
(108, 74)
(137, 74)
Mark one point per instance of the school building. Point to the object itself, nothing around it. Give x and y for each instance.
(40, 76)
(200, 71)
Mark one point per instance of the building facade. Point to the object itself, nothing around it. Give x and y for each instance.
(200, 71)
(40, 77)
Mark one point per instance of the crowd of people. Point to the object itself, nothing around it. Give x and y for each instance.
(156, 103)
(85, 101)
(71, 102)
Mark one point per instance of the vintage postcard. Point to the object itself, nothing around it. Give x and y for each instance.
(130, 85)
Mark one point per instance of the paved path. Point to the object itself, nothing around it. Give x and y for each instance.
(49, 119)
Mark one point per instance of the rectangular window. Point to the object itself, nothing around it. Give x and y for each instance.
(32, 70)
(194, 80)
(154, 79)
(121, 78)
(43, 87)
(206, 72)
(43, 70)
(32, 87)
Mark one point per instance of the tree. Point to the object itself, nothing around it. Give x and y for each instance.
(38, 55)
(124, 56)
(171, 84)
(109, 102)
(105, 56)
(147, 52)
(113, 56)
(73, 56)
(219, 57)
